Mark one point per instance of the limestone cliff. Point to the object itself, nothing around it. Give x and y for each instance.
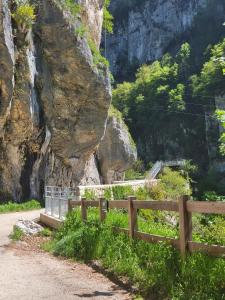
(145, 30)
(54, 98)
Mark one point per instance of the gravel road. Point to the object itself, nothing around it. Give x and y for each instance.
(28, 275)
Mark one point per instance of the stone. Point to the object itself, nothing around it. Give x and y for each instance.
(29, 227)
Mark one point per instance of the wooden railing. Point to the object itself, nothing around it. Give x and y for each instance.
(184, 207)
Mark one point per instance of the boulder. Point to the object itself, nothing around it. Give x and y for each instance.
(117, 151)
(29, 227)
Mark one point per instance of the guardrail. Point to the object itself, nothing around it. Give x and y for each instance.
(159, 165)
(184, 207)
(56, 201)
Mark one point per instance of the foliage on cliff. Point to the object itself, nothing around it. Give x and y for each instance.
(156, 105)
(166, 95)
(24, 15)
(107, 17)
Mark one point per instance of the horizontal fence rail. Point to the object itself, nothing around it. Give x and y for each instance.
(184, 207)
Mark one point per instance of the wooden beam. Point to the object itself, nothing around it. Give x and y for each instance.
(149, 238)
(118, 204)
(74, 203)
(91, 203)
(206, 207)
(157, 205)
(50, 221)
(156, 238)
(214, 250)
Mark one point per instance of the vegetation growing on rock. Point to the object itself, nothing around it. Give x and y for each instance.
(24, 15)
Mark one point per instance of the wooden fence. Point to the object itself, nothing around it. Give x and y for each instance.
(184, 207)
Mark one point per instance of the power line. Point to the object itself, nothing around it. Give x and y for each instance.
(192, 103)
(184, 113)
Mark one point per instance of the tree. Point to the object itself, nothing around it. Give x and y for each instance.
(221, 117)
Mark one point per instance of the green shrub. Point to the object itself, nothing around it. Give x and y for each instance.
(90, 194)
(46, 232)
(142, 193)
(172, 185)
(107, 18)
(24, 16)
(122, 192)
(13, 207)
(131, 174)
(17, 234)
(212, 196)
(73, 7)
(200, 277)
(209, 229)
(108, 194)
(81, 31)
(98, 59)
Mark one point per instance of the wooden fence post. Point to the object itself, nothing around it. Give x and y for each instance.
(69, 206)
(83, 210)
(102, 212)
(132, 216)
(185, 224)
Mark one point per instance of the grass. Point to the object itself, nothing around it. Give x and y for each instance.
(15, 207)
(157, 270)
(46, 232)
(17, 234)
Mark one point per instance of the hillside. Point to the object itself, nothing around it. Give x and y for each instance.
(168, 105)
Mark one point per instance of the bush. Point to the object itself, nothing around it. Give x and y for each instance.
(122, 192)
(98, 59)
(132, 174)
(213, 196)
(108, 194)
(90, 194)
(107, 18)
(17, 234)
(172, 185)
(70, 5)
(24, 16)
(46, 232)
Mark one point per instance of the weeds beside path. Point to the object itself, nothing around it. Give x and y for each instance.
(16, 207)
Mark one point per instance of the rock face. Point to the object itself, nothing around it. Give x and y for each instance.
(53, 115)
(7, 62)
(117, 152)
(75, 96)
(92, 14)
(146, 30)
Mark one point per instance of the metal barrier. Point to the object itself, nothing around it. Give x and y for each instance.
(56, 201)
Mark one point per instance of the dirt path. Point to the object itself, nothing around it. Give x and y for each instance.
(28, 275)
